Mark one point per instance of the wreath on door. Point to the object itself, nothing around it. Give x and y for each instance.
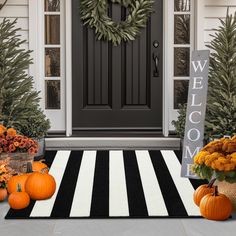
(94, 14)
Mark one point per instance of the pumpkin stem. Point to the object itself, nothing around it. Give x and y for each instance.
(18, 188)
(29, 168)
(211, 183)
(42, 160)
(44, 169)
(215, 191)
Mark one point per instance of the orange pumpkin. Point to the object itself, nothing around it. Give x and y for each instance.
(13, 182)
(39, 165)
(40, 185)
(18, 200)
(203, 190)
(3, 194)
(215, 206)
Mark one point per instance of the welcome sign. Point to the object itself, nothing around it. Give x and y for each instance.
(196, 109)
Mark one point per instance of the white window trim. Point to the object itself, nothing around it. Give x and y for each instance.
(166, 69)
(68, 14)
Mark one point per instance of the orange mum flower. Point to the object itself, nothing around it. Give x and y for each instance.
(16, 144)
(32, 151)
(12, 148)
(2, 129)
(11, 132)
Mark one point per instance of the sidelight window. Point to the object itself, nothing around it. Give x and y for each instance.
(53, 56)
(181, 39)
(183, 45)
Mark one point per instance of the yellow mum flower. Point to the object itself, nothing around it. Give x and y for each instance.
(233, 155)
(229, 167)
(218, 165)
(199, 157)
(208, 162)
(222, 160)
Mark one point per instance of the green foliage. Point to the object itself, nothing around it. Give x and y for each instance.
(221, 99)
(36, 125)
(221, 104)
(19, 102)
(180, 123)
(205, 172)
(94, 14)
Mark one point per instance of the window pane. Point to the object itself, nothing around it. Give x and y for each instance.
(180, 92)
(182, 5)
(53, 92)
(52, 62)
(182, 29)
(181, 61)
(52, 5)
(52, 29)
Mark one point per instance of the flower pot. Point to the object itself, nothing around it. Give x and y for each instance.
(41, 151)
(18, 160)
(229, 190)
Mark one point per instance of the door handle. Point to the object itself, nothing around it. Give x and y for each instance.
(156, 64)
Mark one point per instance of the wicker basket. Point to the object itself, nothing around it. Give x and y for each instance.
(18, 160)
(229, 190)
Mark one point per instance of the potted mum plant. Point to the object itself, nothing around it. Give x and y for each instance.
(217, 162)
(18, 148)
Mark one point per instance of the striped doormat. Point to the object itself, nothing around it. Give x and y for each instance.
(115, 184)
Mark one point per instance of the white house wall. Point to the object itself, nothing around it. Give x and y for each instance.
(18, 9)
(209, 12)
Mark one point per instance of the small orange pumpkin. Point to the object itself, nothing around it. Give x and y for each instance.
(39, 165)
(3, 194)
(215, 206)
(40, 185)
(13, 182)
(203, 190)
(18, 200)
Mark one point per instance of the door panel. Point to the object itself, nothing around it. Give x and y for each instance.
(114, 86)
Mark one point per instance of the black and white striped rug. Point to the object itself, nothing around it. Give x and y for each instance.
(115, 184)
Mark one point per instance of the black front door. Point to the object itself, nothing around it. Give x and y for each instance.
(117, 87)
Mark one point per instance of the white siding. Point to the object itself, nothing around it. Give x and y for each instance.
(18, 9)
(208, 16)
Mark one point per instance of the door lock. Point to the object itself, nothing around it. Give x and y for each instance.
(155, 44)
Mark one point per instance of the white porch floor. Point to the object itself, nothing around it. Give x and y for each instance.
(114, 227)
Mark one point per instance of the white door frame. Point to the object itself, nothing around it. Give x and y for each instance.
(36, 29)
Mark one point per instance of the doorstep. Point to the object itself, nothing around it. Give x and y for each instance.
(73, 143)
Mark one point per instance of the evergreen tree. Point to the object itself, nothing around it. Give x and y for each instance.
(18, 99)
(221, 98)
(221, 104)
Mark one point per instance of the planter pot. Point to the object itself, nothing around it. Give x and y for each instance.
(229, 190)
(18, 160)
(41, 151)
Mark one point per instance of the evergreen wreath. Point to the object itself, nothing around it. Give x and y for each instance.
(94, 14)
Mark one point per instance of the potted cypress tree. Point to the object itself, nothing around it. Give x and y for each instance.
(221, 100)
(19, 101)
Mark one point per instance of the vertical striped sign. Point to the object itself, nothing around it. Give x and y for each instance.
(196, 109)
